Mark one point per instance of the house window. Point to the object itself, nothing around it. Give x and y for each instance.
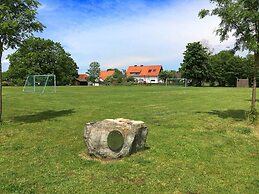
(154, 70)
(150, 70)
(152, 80)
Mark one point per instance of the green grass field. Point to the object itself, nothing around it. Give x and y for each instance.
(199, 141)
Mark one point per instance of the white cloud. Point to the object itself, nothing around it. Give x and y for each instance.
(159, 36)
(156, 35)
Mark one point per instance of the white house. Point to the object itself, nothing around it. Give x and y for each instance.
(145, 74)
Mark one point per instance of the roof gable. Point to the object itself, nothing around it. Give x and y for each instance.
(82, 77)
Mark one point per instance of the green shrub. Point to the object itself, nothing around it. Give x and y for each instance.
(130, 79)
(7, 83)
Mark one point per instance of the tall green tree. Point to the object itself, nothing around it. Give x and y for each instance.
(216, 71)
(195, 63)
(17, 22)
(241, 18)
(117, 77)
(40, 56)
(93, 71)
(225, 67)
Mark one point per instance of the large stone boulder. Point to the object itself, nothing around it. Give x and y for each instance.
(115, 138)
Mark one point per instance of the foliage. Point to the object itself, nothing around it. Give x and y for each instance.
(193, 132)
(241, 18)
(175, 74)
(225, 67)
(130, 79)
(249, 62)
(6, 81)
(116, 78)
(37, 56)
(195, 63)
(17, 22)
(163, 75)
(5, 76)
(93, 72)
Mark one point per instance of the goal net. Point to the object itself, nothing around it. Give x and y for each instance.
(40, 84)
(176, 82)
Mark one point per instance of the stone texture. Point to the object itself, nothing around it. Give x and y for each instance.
(95, 135)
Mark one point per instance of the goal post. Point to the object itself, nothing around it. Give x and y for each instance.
(40, 84)
(176, 82)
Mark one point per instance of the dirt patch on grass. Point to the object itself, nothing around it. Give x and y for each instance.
(86, 157)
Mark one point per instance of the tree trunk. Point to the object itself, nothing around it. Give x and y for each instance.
(1, 52)
(256, 65)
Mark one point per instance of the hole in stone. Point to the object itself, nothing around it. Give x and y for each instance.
(115, 141)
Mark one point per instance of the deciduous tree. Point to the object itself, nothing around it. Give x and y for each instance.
(195, 63)
(93, 71)
(41, 56)
(117, 77)
(17, 22)
(225, 67)
(241, 18)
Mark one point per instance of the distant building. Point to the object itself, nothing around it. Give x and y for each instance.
(104, 74)
(145, 74)
(81, 80)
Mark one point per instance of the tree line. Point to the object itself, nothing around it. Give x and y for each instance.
(221, 69)
(38, 56)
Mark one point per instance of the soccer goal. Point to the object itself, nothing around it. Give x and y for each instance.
(40, 84)
(176, 82)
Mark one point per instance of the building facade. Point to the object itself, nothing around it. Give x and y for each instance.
(145, 74)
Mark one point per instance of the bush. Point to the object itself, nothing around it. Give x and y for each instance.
(7, 83)
(130, 79)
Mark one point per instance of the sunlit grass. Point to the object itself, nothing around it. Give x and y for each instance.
(199, 141)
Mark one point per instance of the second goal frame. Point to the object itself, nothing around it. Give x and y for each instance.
(176, 80)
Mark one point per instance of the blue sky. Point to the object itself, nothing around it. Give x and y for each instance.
(119, 33)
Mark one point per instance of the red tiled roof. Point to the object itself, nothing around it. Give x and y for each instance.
(152, 70)
(82, 77)
(104, 74)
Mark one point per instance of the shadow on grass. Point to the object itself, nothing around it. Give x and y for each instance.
(237, 115)
(42, 116)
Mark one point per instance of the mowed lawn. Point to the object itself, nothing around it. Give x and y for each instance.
(199, 141)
